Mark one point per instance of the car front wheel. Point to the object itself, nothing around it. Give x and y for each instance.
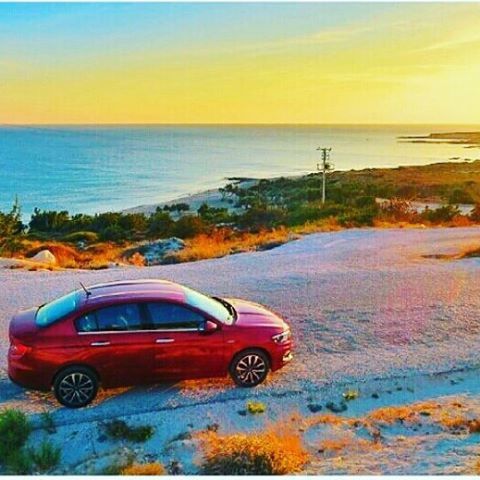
(249, 368)
(75, 387)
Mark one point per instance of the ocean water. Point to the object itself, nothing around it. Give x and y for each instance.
(103, 168)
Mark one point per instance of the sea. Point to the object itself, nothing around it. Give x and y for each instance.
(89, 169)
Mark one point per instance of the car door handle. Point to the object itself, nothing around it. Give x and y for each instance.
(164, 340)
(99, 344)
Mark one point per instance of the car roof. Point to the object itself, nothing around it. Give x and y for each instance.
(126, 290)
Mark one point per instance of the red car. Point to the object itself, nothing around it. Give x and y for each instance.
(139, 332)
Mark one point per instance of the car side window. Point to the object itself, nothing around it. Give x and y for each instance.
(115, 318)
(87, 323)
(169, 316)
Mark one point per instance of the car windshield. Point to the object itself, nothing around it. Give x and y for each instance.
(218, 309)
(59, 308)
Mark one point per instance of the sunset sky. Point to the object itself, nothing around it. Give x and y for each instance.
(240, 63)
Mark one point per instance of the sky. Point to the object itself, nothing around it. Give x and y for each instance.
(316, 63)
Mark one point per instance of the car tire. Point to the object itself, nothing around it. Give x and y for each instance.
(75, 387)
(249, 368)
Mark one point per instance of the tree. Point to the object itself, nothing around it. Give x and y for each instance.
(160, 225)
(11, 227)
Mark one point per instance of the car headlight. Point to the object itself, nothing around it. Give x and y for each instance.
(282, 337)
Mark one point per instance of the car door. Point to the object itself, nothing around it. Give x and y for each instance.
(182, 348)
(117, 345)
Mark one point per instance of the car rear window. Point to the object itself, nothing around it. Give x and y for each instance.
(59, 308)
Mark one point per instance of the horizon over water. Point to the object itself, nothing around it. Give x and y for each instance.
(97, 168)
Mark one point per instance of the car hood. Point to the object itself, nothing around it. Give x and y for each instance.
(23, 326)
(251, 314)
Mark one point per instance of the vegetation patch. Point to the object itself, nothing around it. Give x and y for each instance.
(256, 408)
(120, 430)
(15, 430)
(265, 453)
(46, 457)
(153, 468)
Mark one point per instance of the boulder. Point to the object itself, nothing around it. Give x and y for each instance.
(44, 256)
(154, 252)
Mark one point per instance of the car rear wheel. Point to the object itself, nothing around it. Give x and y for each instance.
(75, 387)
(249, 368)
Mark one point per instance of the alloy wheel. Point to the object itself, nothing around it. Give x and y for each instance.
(76, 389)
(251, 369)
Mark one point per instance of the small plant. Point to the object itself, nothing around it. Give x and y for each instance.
(120, 430)
(350, 395)
(46, 457)
(14, 431)
(153, 468)
(256, 407)
(267, 453)
(48, 423)
(19, 462)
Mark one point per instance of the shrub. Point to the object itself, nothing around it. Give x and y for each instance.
(189, 226)
(49, 220)
(10, 228)
(442, 214)
(154, 468)
(160, 225)
(257, 218)
(47, 422)
(256, 407)
(268, 453)
(82, 236)
(46, 457)
(14, 431)
(475, 214)
(459, 195)
(19, 462)
(120, 430)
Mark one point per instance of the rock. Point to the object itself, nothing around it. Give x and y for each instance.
(336, 408)
(154, 252)
(44, 256)
(314, 407)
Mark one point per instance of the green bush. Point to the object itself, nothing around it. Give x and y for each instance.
(113, 233)
(189, 226)
(14, 431)
(19, 462)
(120, 430)
(160, 225)
(82, 236)
(441, 214)
(459, 195)
(46, 457)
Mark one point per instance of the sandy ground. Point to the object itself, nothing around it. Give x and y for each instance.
(366, 309)
(211, 197)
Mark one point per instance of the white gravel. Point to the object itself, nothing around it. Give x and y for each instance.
(361, 303)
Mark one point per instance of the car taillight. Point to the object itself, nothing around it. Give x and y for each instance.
(282, 337)
(18, 349)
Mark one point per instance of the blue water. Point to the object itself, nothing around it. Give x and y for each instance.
(101, 168)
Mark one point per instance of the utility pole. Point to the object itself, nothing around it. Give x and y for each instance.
(323, 168)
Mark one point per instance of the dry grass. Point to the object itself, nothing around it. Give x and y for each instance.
(329, 224)
(404, 413)
(154, 468)
(223, 242)
(95, 257)
(272, 452)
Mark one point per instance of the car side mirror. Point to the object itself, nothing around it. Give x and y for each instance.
(208, 327)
